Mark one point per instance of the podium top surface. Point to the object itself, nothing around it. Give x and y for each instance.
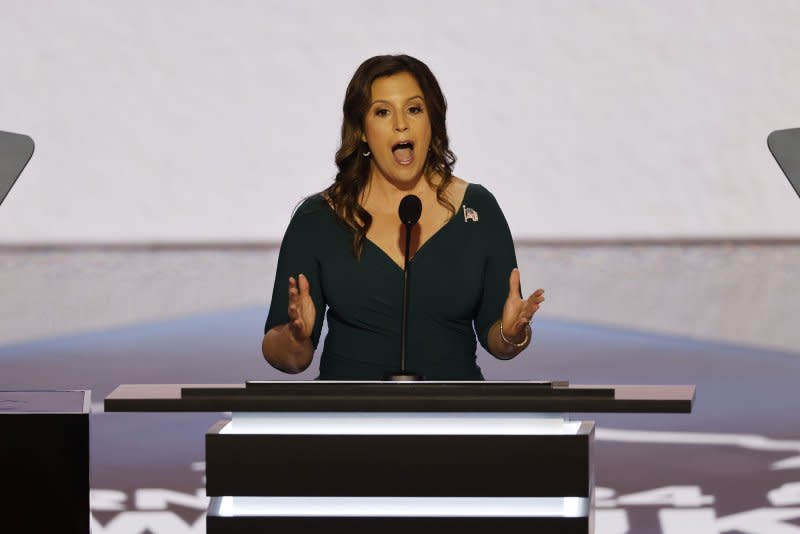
(325, 396)
(44, 402)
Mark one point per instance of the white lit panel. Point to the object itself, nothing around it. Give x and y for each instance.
(562, 507)
(400, 423)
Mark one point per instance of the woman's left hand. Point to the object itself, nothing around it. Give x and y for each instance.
(517, 313)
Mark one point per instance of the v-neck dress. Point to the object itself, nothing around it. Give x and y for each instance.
(458, 285)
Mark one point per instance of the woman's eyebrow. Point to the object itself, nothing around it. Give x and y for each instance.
(380, 100)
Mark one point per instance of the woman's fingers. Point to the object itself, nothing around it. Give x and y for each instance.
(300, 308)
(303, 285)
(531, 305)
(537, 296)
(293, 299)
(298, 289)
(297, 326)
(513, 284)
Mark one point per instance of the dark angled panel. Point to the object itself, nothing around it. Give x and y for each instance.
(15, 152)
(785, 148)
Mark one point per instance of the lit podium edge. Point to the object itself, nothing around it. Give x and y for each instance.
(327, 456)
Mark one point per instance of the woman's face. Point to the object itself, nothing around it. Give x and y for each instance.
(397, 129)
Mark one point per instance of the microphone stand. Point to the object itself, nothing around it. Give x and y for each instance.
(403, 375)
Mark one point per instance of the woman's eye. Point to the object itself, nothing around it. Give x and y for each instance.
(415, 109)
(381, 112)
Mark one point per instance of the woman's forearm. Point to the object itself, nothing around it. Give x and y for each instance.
(284, 353)
(501, 349)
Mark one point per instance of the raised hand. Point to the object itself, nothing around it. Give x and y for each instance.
(517, 313)
(302, 312)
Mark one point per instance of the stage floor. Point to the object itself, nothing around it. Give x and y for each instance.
(732, 466)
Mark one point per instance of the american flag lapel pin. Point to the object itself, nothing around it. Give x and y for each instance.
(470, 214)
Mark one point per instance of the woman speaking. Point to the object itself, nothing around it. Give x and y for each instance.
(344, 247)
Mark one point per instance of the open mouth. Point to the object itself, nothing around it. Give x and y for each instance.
(403, 152)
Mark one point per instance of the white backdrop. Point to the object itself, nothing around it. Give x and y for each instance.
(200, 120)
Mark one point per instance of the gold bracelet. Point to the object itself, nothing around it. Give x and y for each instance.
(518, 345)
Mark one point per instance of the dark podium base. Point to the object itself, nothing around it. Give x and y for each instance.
(44, 461)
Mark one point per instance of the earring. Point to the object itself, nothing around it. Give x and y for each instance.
(365, 149)
(366, 154)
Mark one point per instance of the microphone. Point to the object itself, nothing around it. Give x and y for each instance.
(409, 212)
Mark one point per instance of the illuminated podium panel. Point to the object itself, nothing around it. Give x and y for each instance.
(398, 515)
(431, 456)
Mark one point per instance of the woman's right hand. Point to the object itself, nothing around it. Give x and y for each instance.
(302, 312)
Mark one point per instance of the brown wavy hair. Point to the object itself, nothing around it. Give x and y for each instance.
(354, 167)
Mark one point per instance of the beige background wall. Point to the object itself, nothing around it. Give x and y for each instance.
(196, 120)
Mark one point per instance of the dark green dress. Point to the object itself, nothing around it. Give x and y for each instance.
(458, 278)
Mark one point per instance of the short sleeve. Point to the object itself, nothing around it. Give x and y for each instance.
(299, 253)
(500, 260)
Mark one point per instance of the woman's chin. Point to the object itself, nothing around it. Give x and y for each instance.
(401, 174)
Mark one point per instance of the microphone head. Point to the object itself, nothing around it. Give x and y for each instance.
(410, 209)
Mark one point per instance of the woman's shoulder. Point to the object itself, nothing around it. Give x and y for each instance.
(457, 191)
(312, 205)
(474, 193)
(310, 212)
(479, 204)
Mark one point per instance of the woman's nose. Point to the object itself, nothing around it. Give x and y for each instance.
(400, 125)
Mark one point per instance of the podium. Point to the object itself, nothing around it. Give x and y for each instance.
(325, 457)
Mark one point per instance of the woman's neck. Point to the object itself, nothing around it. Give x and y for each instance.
(383, 192)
